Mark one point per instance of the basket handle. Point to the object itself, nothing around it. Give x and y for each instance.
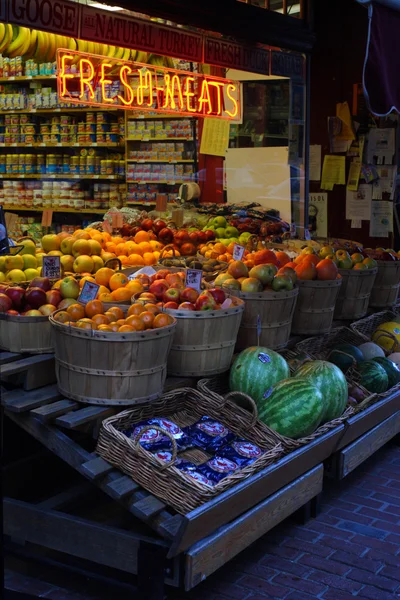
(139, 448)
(113, 260)
(26, 237)
(249, 400)
(388, 334)
(168, 247)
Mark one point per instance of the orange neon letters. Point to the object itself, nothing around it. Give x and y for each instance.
(145, 84)
(124, 73)
(86, 78)
(231, 88)
(63, 75)
(104, 82)
(170, 84)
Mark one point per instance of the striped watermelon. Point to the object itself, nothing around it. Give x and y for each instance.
(256, 370)
(331, 382)
(373, 377)
(295, 408)
(392, 370)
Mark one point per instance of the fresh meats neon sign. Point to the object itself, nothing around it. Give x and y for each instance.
(94, 80)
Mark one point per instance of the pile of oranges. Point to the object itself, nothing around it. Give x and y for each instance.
(93, 316)
(114, 285)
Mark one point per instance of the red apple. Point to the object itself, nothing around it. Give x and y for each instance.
(161, 274)
(158, 225)
(210, 235)
(16, 295)
(53, 297)
(218, 295)
(205, 302)
(35, 297)
(172, 305)
(148, 297)
(171, 295)
(194, 237)
(189, 295)
(188, 249)
(147, 224)
(186, 306)
(181, 237)
(166, 235)
(5, 303)
(32, 313)
(27, 307)
(3, 287)
(201, 237)
(47, 309)
(14, 313)
(158, 288)
(41, 282)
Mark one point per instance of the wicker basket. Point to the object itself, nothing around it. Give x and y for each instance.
(319, 347)
(366, 327)
(184, 407)
(218, 387)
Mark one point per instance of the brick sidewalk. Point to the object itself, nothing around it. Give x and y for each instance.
(352, 550)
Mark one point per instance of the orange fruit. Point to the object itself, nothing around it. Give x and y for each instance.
(114, 326)
(142, 236)
(135, 259)
(121, 295)
(220, 248)
(76, 311)
(155, 245)
(62, 317)
(117, 311)
(104, 327)
(86, 324)
(111, 247)
(145, 247)
(136, 322)
(134, 309)
(105, 297)
(107, 255)
(147, 317)
(82, 235)
(162, 320)
(100, 319)
(134, 286)
(99, 237)
(125, 329)
(117, 280)
(103, 275)
(87, 278)
(123, 259)
(120, 322)
(111, 316)
(149, 258)
(103, 290)
(94, 307)
(121, 249)
(117, 239)
(151, 308)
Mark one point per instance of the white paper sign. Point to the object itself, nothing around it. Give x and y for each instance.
(318, 214)
(89, 292)
(358, 204)
(356, 223)
(381, 219)
(381, 146)
(51, 267)
(144, 271)
(193, 278)
(238, 252)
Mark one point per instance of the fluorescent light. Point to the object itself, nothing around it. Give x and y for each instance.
(291, 10)
(105, 6)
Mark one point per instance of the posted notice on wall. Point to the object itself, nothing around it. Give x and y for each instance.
(315, 162)
(358, 203)
(381, 223)
(318, 214)
(215, 137)
(333, 171)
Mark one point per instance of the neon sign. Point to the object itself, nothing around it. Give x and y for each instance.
(95, 80)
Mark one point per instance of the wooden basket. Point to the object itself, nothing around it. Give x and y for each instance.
(366, 327)
(354, 293)
(387, 283)
(275, 310)
(26, 334)
(218, 387)
(184, 407)
(315, 305)
(204, 341)
(319, 347)
(109, 368)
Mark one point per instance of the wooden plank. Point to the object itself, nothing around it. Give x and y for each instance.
(357, 452)
(49, 412)
(8, 357)
(73, 535)
(95, 468)
(147, 507)
(19, 401)
(213, 552)
(202, 521)
(83, 416)
(20, 366)
(121, 487)
(369, 418)
(67, 498)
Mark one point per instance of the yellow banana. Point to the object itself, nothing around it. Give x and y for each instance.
(169, 62)
(42, 46)
(119, 52)
(142, 57)
(2, 32)
(110, 51)
(17, 40)
(127, 53)
(133, 55)
(103, 50)
(52, 47)
(32, 46)
(25, 37)
(72, 45)
(7, 37)
(82, 45)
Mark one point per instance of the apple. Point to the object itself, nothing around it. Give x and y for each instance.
(188, 249)
(205, 302)
(232, 284)
(16, 295)
(53, 297)
(360, 266)
(66, 245)
(307, 250)
(158, 225)
(194, 237)
(344, 259)
(14, 313)
(50, 242)
(148, 297)
(36, 297)
(289, 272)
(282, 282)
(69, 288)
(32, 313)
(158, 288)
(5, 303)
(189, 295)
(172, 278)
(147, 224)
(173, 305)
(186, 306)
(218, 295)
(166, 235)
(370, 262)
(47, 309)
(325, 251)
(357, 258)
(251, 285)
(237, 269)
(181, 237)
(210, 235)
(66, 302)
(264, 273)
(171, 295)
(161, 274)
(41, 282)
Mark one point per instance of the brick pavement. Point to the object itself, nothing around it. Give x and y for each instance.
(351, 550)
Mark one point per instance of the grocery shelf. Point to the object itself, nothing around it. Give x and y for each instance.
(168, 182)
(58, 210)
(144, 160)
(28, 78)
(160, 139)
(59, 110)
(59, 145)
(59, 176)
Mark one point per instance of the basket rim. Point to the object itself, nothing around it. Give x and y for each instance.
(23, 320)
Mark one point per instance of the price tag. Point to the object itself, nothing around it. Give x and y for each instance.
(161, 202)
(89, 292)
(51, 267)
(107, 227)
(47, 217)
(238, 252)
(193, 278)
(117, 220)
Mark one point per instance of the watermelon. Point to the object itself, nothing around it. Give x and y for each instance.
(256, 370)
(373, 377)
(294, 408)
(345, 356)
(395, 357)
(392, 370)
(370, 350)
(331, 382)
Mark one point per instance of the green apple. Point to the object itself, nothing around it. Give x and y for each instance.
(220, 232)
(357, 257)
(370, 263)
(326, 251)
(219, 222)
(344, 259)
(231, 231)
(282, 283)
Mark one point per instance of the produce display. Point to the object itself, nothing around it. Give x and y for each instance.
(260, 277)
(37, 300)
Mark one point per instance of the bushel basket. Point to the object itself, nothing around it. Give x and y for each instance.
(26, 334)
(387, 283)
(184, 407)
(354, 294)
(315, 306)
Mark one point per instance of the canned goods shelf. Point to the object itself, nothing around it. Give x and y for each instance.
(94, 211)
(60, 176)
(57, 110)
(135, 160)
(28, 78)
(160, 139)
(174, 182)
(59, 145)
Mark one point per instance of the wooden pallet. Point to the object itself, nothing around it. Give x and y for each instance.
(27, 371)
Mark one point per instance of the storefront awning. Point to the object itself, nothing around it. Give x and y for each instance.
(381, 79)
